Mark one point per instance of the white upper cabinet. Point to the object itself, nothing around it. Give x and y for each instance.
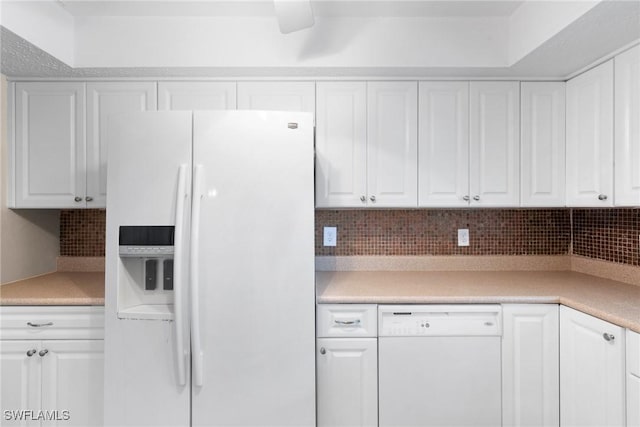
(196, 96)
(494, 144)
(542, 157)
(341, 144)
(366, 144)
(443, 153)
(105, 99)
(590, 138)
(49, 146)
(627, 128)
(278, 96)
(592, 371)
(392, 144)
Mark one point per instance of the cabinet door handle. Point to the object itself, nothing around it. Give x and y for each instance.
(476, 198)
(43, 353)
(373, 199)
(78, 199)
(322, 350)
(31, 352)
(608, 337)
(39, 325)
(89, 199)
(363, 199)
(465, 198)
(347, 322)
(602, 197)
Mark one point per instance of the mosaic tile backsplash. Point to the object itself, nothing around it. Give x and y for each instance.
(608, 234)
(435, 232)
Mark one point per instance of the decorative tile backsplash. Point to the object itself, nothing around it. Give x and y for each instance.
(608, 234)
(435, 232)
(82, 232)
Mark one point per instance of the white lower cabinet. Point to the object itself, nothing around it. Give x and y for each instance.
(633, 379)
(592, 371)
(48, 380)
(347, 366)
(347, 371)
(530, 371)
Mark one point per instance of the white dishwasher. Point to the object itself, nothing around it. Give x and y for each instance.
(439, 365)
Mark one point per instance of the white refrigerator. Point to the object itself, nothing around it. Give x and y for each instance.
(210, 270)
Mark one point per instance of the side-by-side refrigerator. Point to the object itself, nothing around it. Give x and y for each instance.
(210, 270)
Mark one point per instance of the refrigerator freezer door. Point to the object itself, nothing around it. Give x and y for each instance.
(142, 375)
(255, 290)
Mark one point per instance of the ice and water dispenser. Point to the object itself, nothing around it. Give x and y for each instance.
(146, 272)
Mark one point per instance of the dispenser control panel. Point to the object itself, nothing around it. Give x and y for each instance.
(145, 241)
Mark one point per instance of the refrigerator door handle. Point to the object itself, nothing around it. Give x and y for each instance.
(178, 285)
(197, 374)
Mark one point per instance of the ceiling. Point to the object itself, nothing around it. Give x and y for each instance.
(332, 8)
(533, 39)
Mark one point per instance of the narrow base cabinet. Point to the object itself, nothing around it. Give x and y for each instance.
(530, 371)
(347, 366)
(51, 365)
(592, 371)
(633, 379)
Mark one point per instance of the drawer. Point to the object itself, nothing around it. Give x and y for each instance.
(633, 353)
(347, 320)
(51, 323)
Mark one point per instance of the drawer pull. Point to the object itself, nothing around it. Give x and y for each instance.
(608, 337)
(39, 325)
(347, 322)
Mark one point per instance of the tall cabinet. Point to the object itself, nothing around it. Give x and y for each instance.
(590, 138)
(627, 128)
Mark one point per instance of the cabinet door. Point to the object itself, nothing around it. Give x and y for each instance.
(592, 375)
(542, 157)
(590, 138)
(196, 96)
(530, 358)
(633, 379)
(103, 100)
(278, 96)
(627, 128)
(20, 386)
(72, 380)
(392, 144)
(443, 145)
(49, 145)
(347, 372)
(341, 150)
(494, 143)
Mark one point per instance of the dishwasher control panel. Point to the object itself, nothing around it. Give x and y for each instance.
(439, 320)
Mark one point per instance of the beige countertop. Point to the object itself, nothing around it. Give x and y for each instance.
(60, 288)
(609, 300)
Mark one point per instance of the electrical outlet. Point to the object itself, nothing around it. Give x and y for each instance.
(463, 237)
(330, 236)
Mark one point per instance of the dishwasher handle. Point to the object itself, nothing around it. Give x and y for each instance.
(353, 322)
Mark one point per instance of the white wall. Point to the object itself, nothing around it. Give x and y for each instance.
(29, 239)
(257, 42)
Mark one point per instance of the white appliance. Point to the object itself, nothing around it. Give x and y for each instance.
(439, 365)
(210, 270)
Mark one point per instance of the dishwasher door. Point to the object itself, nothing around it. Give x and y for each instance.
(439, 366)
